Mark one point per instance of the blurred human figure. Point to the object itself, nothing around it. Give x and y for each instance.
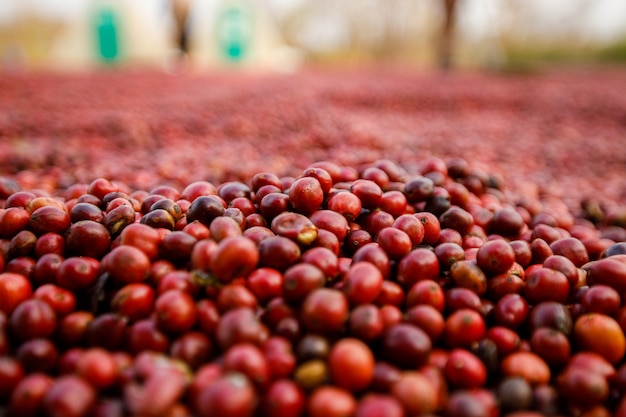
(447, 34)
(180, 13)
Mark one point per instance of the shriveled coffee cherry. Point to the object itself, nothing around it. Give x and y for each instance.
(467, 274)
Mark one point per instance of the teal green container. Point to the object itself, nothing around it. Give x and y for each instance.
(234, 32)
(107, 34)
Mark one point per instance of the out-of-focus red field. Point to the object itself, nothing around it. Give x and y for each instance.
(557, 133)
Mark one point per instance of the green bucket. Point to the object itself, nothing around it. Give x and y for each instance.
(107, 34)
(234, 32)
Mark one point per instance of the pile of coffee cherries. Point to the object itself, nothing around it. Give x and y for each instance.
(381, 289)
